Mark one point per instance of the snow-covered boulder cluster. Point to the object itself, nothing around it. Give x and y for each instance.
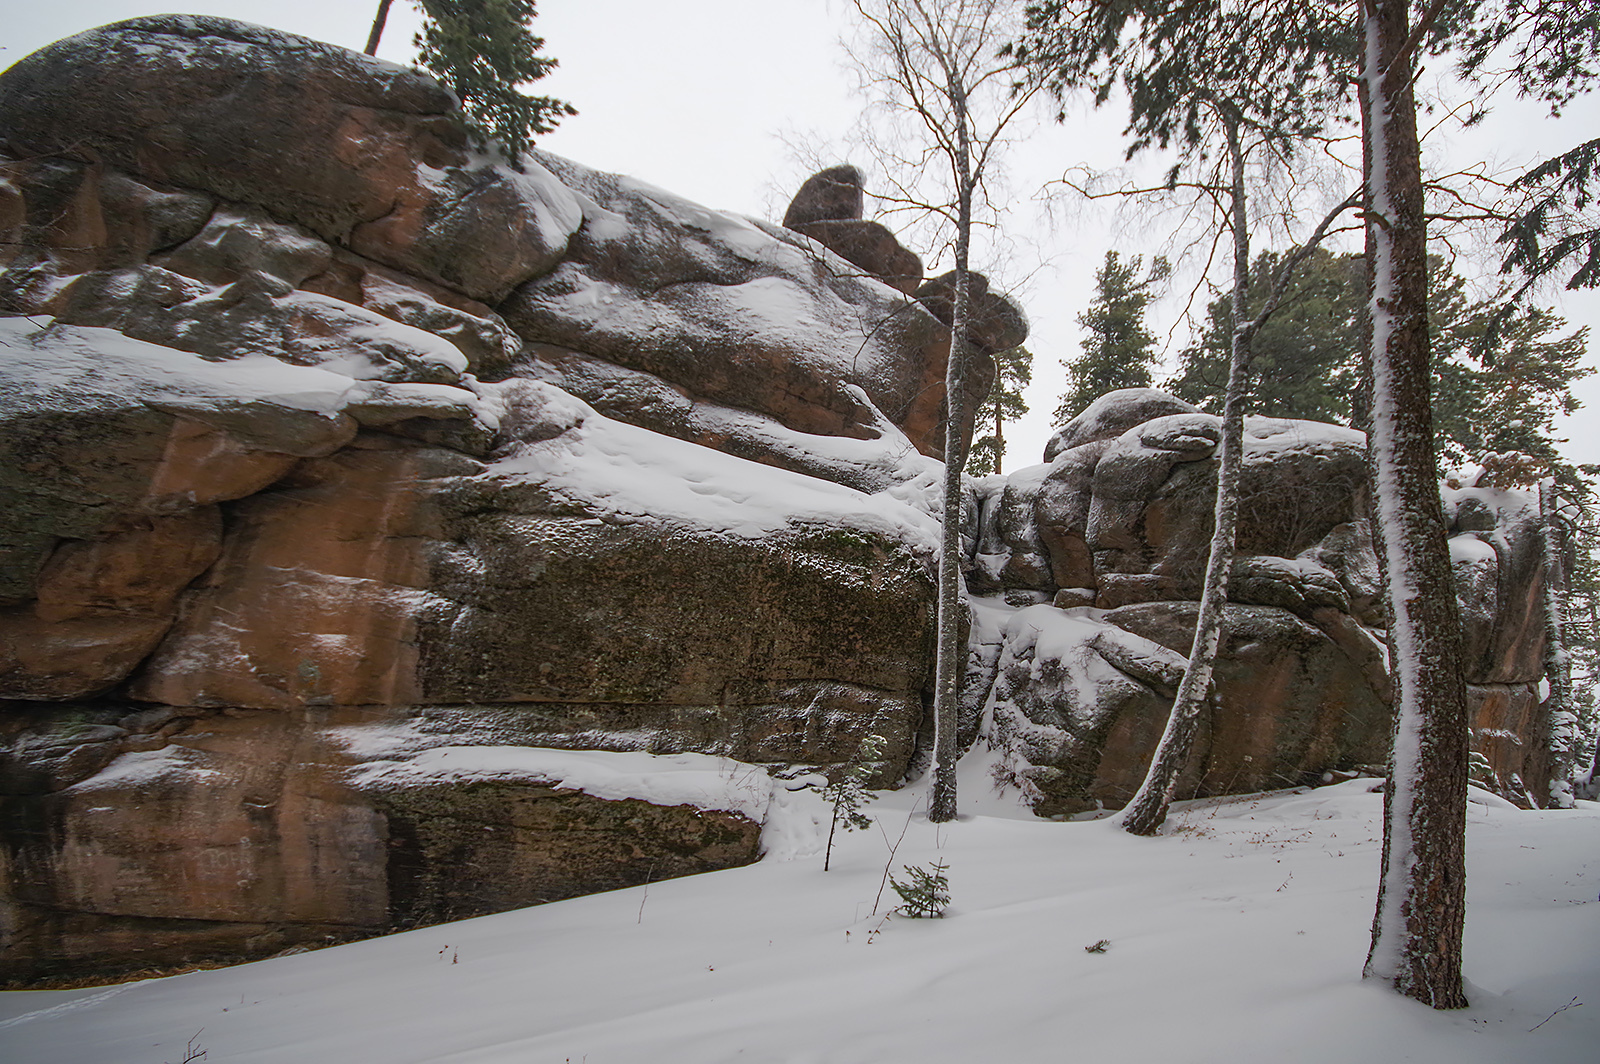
(350, 476)
(1114, 531)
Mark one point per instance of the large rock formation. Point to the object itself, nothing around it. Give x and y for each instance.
(1115, 529)
(393, 535)
(352, 477)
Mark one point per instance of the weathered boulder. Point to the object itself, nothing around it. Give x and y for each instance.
(1498, 558)
(725, 309)
(997, 323)
(1113, 414)
(870, 246)
(238, 833)
(831, 195)
(1080, 701)
(98, 248)
(356, 149)
(593, 586)
(1010, 551)
(736, 314)
(1497, 554)
(400, 574)
(1148, 526)
(828, 209)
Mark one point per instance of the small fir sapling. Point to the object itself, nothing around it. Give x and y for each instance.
(927, 894)
(848, 791)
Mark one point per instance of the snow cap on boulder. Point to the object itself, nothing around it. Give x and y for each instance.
(1113, 414)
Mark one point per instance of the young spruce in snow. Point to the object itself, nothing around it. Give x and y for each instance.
(848, 791)
(928, 892)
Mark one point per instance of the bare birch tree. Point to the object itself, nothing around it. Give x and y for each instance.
(938, 63)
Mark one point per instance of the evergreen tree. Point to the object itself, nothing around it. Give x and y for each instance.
(847, 791)
(1503, 397)
(1013, 373)
(1492, 394)
(926, 891)
(1307, 357)
(1416, 929)
(1559, 226)
(1552, 51)
(1118, 350)
(485, 51)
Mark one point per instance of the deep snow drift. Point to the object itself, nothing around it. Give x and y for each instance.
(1237, 935)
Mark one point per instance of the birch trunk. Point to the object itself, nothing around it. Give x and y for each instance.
(950, 656)
(1416, 931)
(1148, 809)
(1561, 720)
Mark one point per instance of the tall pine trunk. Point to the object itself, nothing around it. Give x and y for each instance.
(379, 20)
(950, 657)
(1416, 931)
(1148, 809)
(999, 435)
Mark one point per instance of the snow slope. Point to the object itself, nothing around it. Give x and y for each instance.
(1237, 936)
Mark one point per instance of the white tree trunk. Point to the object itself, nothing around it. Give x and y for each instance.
(1148, 808)
(951, 652)
(1560, 719)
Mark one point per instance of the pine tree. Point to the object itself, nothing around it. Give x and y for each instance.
(1501, 380)
(1494, 390)
(1551, 49)
(926, 894)
(1307, 357)
(1013, 373)
(1118, 350)
(1416, 930)
(1554, 230)
(485, 51)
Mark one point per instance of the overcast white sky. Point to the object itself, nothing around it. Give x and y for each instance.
(707, 97)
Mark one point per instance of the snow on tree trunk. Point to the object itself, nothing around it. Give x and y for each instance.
(1561, 720)
(1148, 809)
(951, 656)
(1416, 931)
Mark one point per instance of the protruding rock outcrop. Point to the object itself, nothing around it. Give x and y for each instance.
(828, 209)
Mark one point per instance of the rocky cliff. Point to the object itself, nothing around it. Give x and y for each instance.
(330, 447)
(396, 534)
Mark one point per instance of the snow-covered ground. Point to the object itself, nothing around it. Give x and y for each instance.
(1237, 936)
